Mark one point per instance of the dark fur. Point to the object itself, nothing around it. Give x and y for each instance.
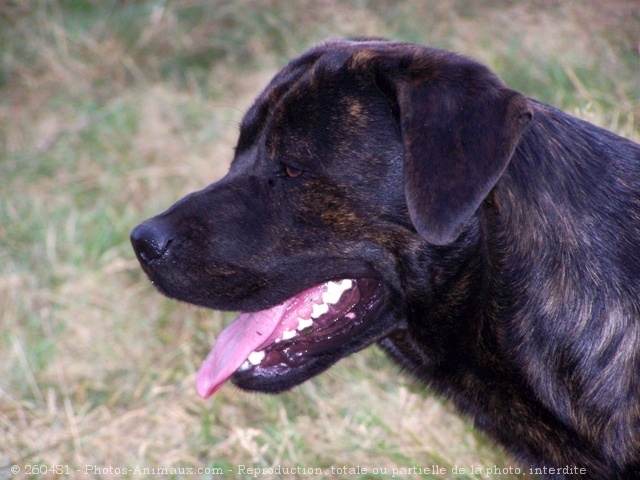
(506, 235)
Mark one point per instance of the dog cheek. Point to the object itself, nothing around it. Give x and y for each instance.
(332, 208)
(343, 221)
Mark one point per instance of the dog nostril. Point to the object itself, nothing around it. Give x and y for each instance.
(149, 242)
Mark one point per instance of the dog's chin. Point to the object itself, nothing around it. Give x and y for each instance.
(278, 348)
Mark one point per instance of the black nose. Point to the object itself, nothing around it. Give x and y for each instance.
(150, 241)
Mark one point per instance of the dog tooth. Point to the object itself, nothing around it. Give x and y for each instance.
(302, 323)
(288, 334)
(331, 296)
(334, 287)
(256, 357)
(327, 298)
(245, 366)
(319, 310)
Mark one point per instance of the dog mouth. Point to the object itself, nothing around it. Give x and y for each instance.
(263, 347)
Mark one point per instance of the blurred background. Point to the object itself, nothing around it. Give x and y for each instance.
(111, 110)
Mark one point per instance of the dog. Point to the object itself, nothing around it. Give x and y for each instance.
(390, 193)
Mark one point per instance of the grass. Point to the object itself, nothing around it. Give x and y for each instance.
(113, 110)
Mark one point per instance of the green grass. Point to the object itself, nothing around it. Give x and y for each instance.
(113, 110)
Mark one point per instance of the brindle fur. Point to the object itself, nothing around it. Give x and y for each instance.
(506, 233)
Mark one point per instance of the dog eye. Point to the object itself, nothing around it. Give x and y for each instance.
(292, 172)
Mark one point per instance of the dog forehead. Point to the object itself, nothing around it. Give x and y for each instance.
(300, 75)
(329, 55)
(360, 55)
(332, 56)
(329, 81)
(301, 89)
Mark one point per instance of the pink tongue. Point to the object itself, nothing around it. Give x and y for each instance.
(250, 332)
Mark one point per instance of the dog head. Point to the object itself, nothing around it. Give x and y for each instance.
(356, 156)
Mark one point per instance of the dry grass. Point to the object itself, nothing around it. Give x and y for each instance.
(113, 110)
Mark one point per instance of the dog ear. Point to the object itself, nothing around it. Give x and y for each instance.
(460, 126)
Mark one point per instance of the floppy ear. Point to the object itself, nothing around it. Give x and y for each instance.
(460, 126)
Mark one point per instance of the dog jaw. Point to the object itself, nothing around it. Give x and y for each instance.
(279, 342)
